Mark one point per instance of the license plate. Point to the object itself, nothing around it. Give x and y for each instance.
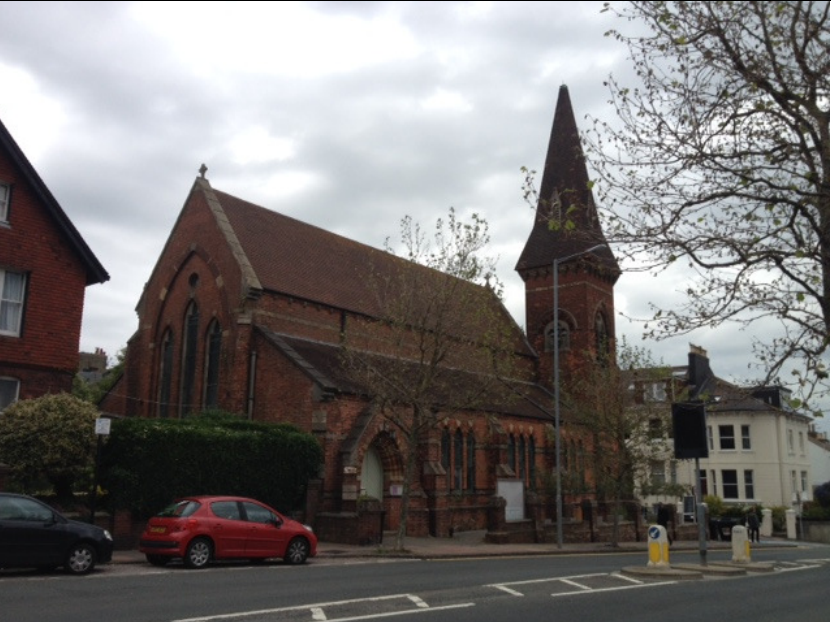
(157, 530)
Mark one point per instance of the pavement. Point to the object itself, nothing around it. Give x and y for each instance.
(472, 544)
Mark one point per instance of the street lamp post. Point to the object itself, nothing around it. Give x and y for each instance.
(556, 268)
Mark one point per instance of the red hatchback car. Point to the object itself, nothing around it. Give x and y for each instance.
(202, 529)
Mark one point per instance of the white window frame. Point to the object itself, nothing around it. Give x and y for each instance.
(730, 483)
(655, 392)
(5, 194)
(657, 474)
(13, 331)
(749, 485)
(746, 444)
(656, 429)
(7, 383)
(724, 438)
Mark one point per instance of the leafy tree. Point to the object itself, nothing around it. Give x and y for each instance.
(94, 391)
(50, 438)
(433, 321)
(609, 402)
(719, 158)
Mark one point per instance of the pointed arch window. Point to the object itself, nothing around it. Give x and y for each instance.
(521, 474)
(211, 398)
(601, 336)
(165, 374)
(471, 461)
(189, 347)
(458, 459)
(445, 452)
(532, 461)
(563, 333)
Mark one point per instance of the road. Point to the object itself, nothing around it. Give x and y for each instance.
(527, 589)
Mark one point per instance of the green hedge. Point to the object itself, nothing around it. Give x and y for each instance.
(147, 463)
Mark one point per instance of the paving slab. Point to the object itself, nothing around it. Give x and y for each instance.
(748, 566)
(712, 568)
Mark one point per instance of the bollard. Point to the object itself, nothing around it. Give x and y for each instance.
(766, 529)
(790, 524)
(658, 547)
(741, 545)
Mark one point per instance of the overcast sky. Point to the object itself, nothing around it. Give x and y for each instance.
(346, 115)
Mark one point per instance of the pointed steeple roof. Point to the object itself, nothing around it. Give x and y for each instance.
(565, 198)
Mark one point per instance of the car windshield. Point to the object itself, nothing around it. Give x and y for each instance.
(180, 509)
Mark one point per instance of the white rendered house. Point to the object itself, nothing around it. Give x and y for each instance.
(758, 446)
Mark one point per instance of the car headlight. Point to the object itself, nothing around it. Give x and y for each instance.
(108, 535)
(308, 528)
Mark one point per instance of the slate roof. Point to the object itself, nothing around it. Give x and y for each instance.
(324, 364)
(306, 262)
(94, 270)
(565, 179)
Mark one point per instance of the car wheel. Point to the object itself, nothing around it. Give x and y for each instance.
(297, 551)
(158, 560)
(198, 553)
(80, 559)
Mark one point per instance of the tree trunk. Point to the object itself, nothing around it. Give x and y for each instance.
(409, 470)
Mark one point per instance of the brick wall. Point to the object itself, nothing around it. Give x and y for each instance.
(46, 352)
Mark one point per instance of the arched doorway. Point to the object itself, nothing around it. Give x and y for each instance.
(372, 475)
(381, 475)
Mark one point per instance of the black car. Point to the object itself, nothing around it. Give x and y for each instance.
(34, 535)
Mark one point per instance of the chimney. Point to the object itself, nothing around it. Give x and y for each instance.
(699, 374)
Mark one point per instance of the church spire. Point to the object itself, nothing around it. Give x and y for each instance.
(566, 221)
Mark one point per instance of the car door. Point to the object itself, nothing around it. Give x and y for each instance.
(266, 537)
(228, 529)
(30, 533)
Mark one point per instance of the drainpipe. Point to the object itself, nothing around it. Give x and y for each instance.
(252, 374)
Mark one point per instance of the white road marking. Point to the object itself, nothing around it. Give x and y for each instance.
(375, 616)
(615, 589)
(797, 568)
(575, 584)
(418, 602)
(318, 613)
(582, 588)
(617, 575)
(507, 589)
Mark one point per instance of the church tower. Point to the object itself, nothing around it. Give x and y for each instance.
(567, 231)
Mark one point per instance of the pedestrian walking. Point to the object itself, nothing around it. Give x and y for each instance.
(753, 526)
(663, 520)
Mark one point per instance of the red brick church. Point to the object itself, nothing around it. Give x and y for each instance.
(248, 310)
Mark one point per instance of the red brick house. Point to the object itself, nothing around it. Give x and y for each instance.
(45, 267)
(248, 310)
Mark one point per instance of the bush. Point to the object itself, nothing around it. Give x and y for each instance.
(149, 462)
(715, 506)
(814, 510)
(49, 440)
(821, 495)
(778, 514)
